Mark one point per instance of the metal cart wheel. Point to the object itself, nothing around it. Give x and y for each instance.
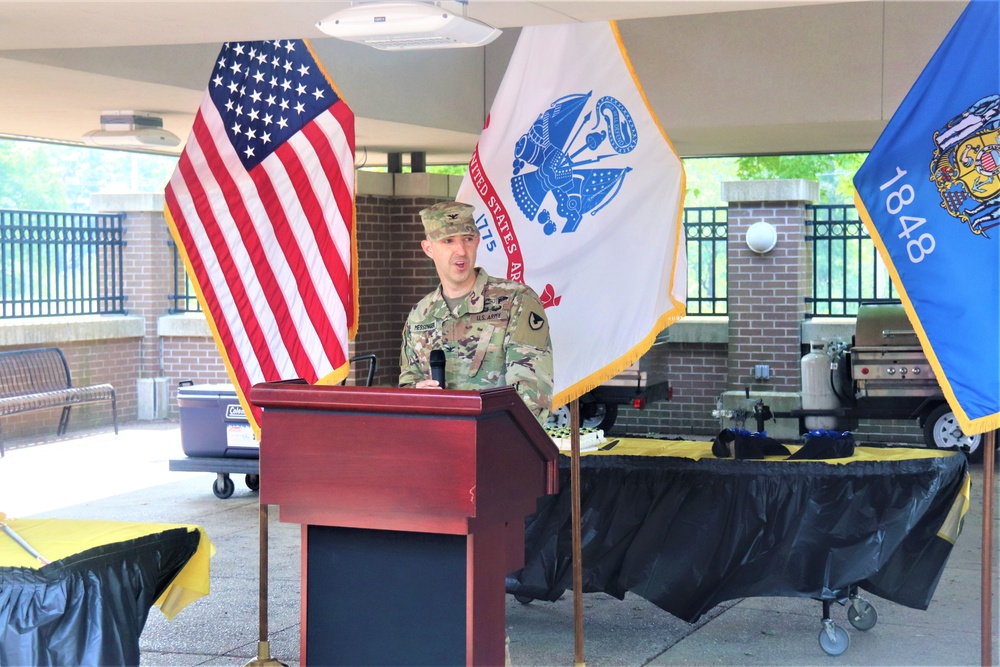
(223, 486)
(253, 482)
(862, 614)
(833, 639)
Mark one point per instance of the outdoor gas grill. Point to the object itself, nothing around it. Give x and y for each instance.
(891, 378)
(887, 361)
(884, 374)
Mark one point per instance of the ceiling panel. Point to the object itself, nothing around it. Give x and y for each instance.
(724, 77)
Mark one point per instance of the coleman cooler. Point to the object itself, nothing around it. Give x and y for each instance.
(213, 423)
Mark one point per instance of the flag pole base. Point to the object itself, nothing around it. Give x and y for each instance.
(264, 658)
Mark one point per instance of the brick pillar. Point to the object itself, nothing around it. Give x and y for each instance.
(148, 279)
(767, 297)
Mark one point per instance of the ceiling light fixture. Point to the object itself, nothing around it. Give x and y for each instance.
(131, 129)
(398, 26)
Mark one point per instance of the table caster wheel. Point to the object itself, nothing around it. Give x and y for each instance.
(862, 614)
(253, 482)
(833, 639)
(223, 486)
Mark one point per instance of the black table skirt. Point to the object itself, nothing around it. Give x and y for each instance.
(688, 534)
(89, 608)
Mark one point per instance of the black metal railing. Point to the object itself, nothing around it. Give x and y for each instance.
(61, 263)
(184, 299)
(69, 264)
(846, 268)
(706, 231)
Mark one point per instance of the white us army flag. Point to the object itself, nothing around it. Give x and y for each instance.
(579, 194)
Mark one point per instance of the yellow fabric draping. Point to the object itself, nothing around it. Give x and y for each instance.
(56, 539)
(691, 449)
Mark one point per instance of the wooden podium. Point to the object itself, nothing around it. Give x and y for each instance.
(412, 505)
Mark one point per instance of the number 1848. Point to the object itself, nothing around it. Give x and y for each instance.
(895, 203)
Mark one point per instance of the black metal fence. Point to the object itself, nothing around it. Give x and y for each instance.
(706, 230)
(846, 267)
(71, 264)
(183, 299)
(61, 263)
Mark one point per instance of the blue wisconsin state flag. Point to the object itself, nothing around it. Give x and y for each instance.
(579, 193)
(929, 194)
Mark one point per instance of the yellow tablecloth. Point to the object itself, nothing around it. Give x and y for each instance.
(56, 539)
(692, 449)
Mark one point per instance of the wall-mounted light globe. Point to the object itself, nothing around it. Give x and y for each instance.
(762, 237)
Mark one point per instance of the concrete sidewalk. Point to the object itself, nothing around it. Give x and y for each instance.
(97, 475)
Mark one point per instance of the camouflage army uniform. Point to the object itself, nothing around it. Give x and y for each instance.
(498, 336)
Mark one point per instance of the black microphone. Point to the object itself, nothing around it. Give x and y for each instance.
(437, 366)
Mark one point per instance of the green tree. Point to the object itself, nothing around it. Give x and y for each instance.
(704, 177)
(88, 171)
(26, 178)
(51, 177)
(835, 172)
(452, 169)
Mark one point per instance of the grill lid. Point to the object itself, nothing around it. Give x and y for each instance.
(881, 326)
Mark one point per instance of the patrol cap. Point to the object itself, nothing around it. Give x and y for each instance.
(448, 218)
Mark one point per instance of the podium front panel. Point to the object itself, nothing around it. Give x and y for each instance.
(385, 598)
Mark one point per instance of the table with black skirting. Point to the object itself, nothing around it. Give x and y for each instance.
(89, 604)
(674, 524)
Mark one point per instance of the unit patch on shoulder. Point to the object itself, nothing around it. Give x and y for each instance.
(532, 327)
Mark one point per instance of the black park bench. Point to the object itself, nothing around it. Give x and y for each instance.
(39, 378)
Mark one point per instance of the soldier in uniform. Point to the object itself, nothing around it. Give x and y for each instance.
(493, 332)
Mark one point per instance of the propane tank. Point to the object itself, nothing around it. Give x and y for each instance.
(817, 393)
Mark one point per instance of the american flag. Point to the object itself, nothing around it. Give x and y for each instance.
(261, 206)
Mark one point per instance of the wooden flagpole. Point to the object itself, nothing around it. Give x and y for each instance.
(263, 658)
(574, 438)
(986, 596)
